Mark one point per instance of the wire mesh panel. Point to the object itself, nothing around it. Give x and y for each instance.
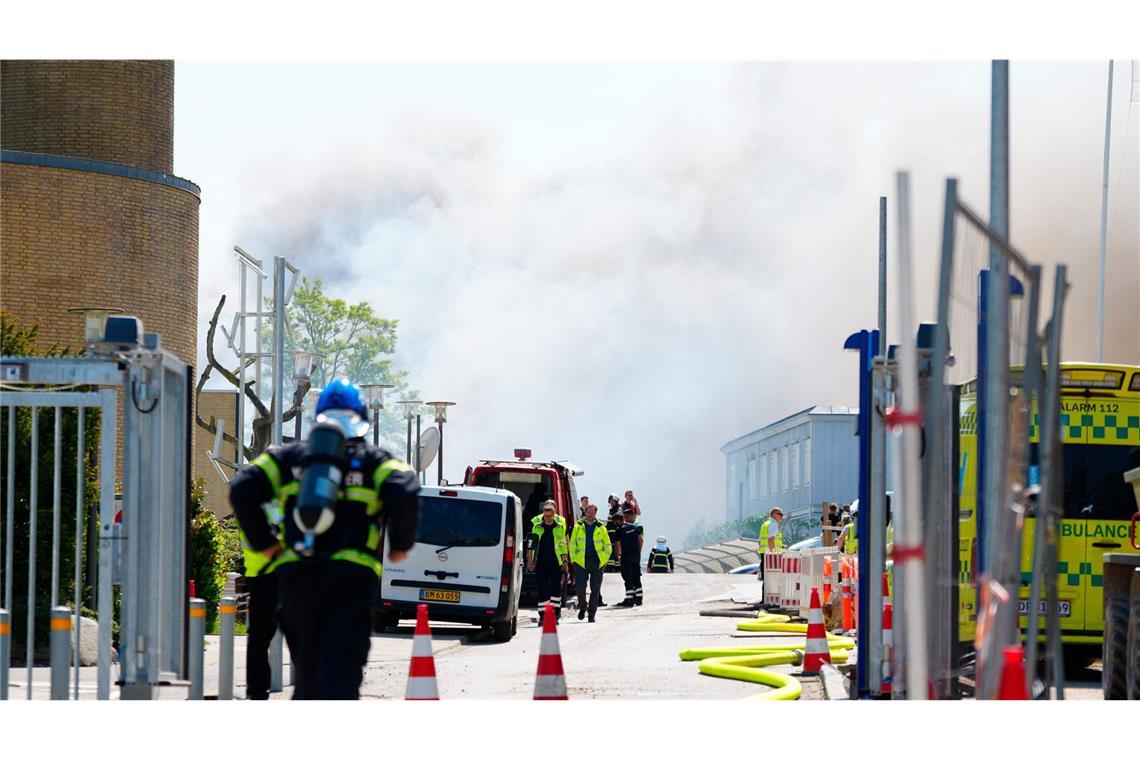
(52, 464)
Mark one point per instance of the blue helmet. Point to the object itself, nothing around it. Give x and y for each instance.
(343, 402)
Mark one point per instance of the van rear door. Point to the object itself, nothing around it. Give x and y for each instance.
(457, 559)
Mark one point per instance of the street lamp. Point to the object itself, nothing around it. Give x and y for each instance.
(303, 362)
(375, 393)
(410, 407)
(440, 419)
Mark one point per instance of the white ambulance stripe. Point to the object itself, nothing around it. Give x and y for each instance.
(550, 686)
(421, 688)
(421, 646)
(549, 644)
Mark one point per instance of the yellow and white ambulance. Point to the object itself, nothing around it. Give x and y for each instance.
(1100, 432)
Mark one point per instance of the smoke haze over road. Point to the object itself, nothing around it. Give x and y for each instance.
(626, 266)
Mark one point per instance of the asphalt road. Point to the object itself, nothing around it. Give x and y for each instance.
(626, 653)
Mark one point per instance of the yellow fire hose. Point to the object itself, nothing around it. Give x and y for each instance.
(746, 663)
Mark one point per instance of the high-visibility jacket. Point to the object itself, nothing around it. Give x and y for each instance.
(256, 562)
(376, 487)
(660, 560)
(538, 528)
(602, 543)
(851, 543)
(778, 542)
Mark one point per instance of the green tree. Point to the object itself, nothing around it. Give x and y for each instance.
(356, 344)
(207, 553)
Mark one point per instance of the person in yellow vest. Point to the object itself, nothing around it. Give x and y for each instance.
(849, 537)
(771, 537)
(547, 557)
(261, 584)
(590, 549)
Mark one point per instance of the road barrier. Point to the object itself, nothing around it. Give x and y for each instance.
(228, 609)
(197, 645)
(790, 576)
(60, 650)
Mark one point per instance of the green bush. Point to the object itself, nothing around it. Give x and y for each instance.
(207, 552)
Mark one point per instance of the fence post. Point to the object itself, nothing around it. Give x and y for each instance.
(5, 650)
(228, 609)
(197, 645)
(60, 650)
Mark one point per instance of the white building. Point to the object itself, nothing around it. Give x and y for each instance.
(794, 463)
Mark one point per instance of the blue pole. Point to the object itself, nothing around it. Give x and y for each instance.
(867, 343)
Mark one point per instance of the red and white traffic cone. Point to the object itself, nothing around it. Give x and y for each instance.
(888, 637)
(817, 651)
(421, 671)
(848, 615)
(1013, 674)
(550, 682)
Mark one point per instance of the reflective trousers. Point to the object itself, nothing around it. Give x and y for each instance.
(326, 613)
(261, 629)
(631, 574)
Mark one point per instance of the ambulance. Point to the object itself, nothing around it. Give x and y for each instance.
(1100, 434)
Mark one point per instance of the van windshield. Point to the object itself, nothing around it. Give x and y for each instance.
(459, 522)
(531, 486)
(1094, 483)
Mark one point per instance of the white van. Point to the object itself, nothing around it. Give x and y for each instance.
(466, 564)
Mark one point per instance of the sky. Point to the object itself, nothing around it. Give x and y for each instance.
(627, 265)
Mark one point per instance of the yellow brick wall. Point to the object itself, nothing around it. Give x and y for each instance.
(120, 111)
(221, 405)
(75, 238)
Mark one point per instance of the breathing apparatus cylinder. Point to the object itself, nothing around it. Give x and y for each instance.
(324, 463)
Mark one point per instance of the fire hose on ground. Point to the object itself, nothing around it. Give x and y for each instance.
(747, 663)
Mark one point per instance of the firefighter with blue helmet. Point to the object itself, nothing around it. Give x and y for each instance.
(337, 494)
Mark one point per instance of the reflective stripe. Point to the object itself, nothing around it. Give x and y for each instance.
(269, 466)
(360, 558)
(365, 495)
(381, 473)
(284, 558)
(373, 537)
(291, 488)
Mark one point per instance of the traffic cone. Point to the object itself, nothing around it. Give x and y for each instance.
(421, 670)
(826, 580)
(817, 651)
(1013, 674)
(848, 617)
(550, 682)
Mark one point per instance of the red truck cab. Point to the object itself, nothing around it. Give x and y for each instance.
(533, 483)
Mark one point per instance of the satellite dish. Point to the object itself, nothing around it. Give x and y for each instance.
(428, 448)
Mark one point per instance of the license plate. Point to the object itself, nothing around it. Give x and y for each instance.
(1062, 607)
(435, 595)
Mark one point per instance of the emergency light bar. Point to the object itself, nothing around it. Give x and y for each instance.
(523, 454)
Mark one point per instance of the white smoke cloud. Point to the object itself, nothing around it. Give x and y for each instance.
(634, 308)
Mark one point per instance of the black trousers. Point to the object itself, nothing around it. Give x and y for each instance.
(631, 574)
(262, 627)
(549, 580)
(326, 613)
(594, 576)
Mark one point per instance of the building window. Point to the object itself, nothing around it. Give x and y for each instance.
(773, 475)
(763, 468)
(784, 468)
(795, 465)
(807, 461)
(752, 478)
(731, 485)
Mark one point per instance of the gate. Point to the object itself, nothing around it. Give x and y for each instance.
(141, 550)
